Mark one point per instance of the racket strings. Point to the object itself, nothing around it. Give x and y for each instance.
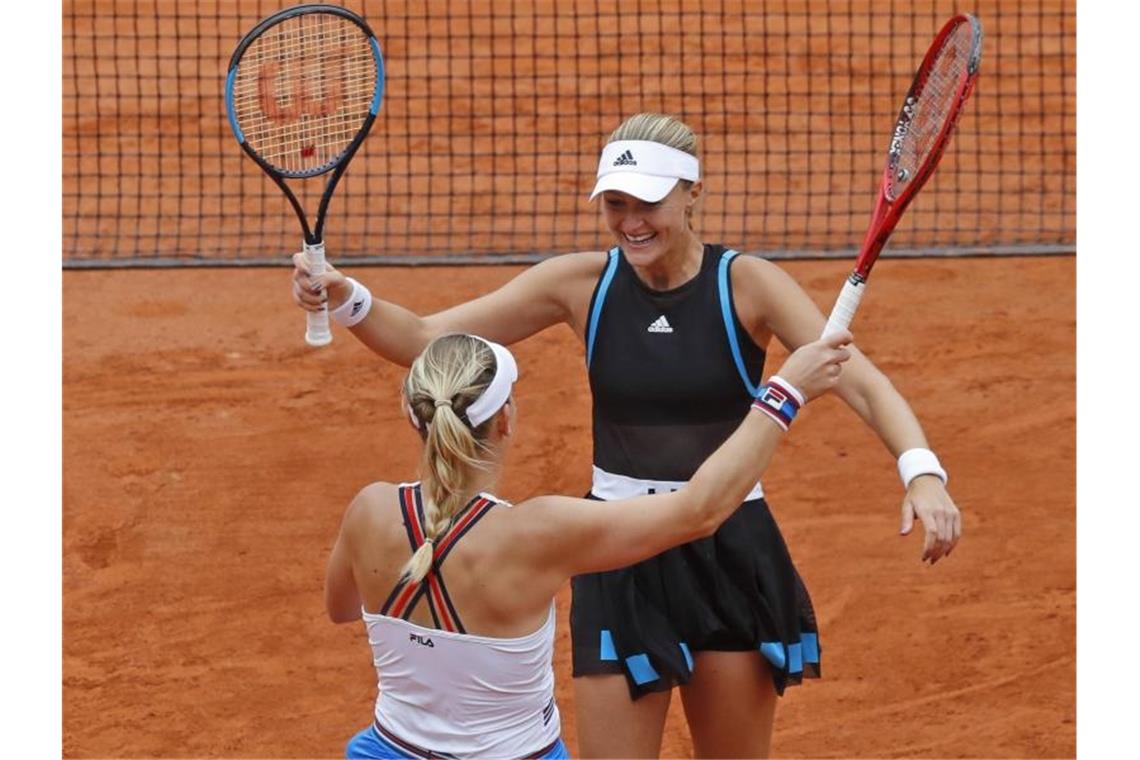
(932, 104)
(303, 89)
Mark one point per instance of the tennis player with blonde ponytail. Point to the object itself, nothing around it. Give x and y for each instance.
(456, 586)
(451, 451)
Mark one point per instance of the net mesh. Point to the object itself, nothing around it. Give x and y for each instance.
(495, 110)
(302, 90)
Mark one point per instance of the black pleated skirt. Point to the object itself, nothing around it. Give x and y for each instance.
(737, 590)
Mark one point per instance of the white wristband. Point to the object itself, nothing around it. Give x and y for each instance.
(915, 462)
(355, 308)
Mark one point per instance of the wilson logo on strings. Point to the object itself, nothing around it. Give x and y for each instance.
(285, 98)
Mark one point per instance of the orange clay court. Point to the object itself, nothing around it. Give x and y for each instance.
(208, 454)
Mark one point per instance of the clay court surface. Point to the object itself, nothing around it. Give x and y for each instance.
(208, 455)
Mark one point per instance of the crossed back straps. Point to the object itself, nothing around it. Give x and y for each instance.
(404, 597)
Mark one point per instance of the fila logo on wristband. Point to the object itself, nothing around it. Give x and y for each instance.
(774, 398)
(778, 402)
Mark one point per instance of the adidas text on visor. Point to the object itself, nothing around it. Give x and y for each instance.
(644, 169)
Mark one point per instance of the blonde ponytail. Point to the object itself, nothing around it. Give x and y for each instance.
(451, 373)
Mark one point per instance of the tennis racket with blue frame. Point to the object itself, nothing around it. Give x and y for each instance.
(303, 89)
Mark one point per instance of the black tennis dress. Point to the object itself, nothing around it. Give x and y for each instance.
(672, 374)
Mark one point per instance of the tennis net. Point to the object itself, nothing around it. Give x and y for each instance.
(495, 110)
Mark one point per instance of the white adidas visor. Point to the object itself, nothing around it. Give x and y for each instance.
(644, 169)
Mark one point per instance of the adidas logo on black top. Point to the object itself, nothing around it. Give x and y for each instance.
(661, 325)
(625, 159)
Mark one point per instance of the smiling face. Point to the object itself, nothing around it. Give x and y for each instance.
(651, 232)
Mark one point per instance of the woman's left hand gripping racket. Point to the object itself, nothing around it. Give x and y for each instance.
(302, 91)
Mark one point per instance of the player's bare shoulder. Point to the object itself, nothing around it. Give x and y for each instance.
(756, 283)
(756, 270)
(538, 524)
(572, 277)
(570, 268)
(372, 505)
(769, 301)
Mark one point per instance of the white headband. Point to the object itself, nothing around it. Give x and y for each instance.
(644, 169)
(497, 393)
(494, 395)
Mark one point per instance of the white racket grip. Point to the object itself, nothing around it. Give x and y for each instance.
(844, 310)
(317, 331)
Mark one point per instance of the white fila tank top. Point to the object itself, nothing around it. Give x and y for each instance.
(462, 694)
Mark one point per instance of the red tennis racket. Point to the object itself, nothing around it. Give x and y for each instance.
(929, 112)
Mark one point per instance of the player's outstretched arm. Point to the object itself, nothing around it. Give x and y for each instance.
(553, 291)
(767, 298)
(567, 536)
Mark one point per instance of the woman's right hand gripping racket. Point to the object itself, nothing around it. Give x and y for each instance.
(302, 91)
(929, 112)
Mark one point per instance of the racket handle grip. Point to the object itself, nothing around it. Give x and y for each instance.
(317, 331)
(844, 310)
